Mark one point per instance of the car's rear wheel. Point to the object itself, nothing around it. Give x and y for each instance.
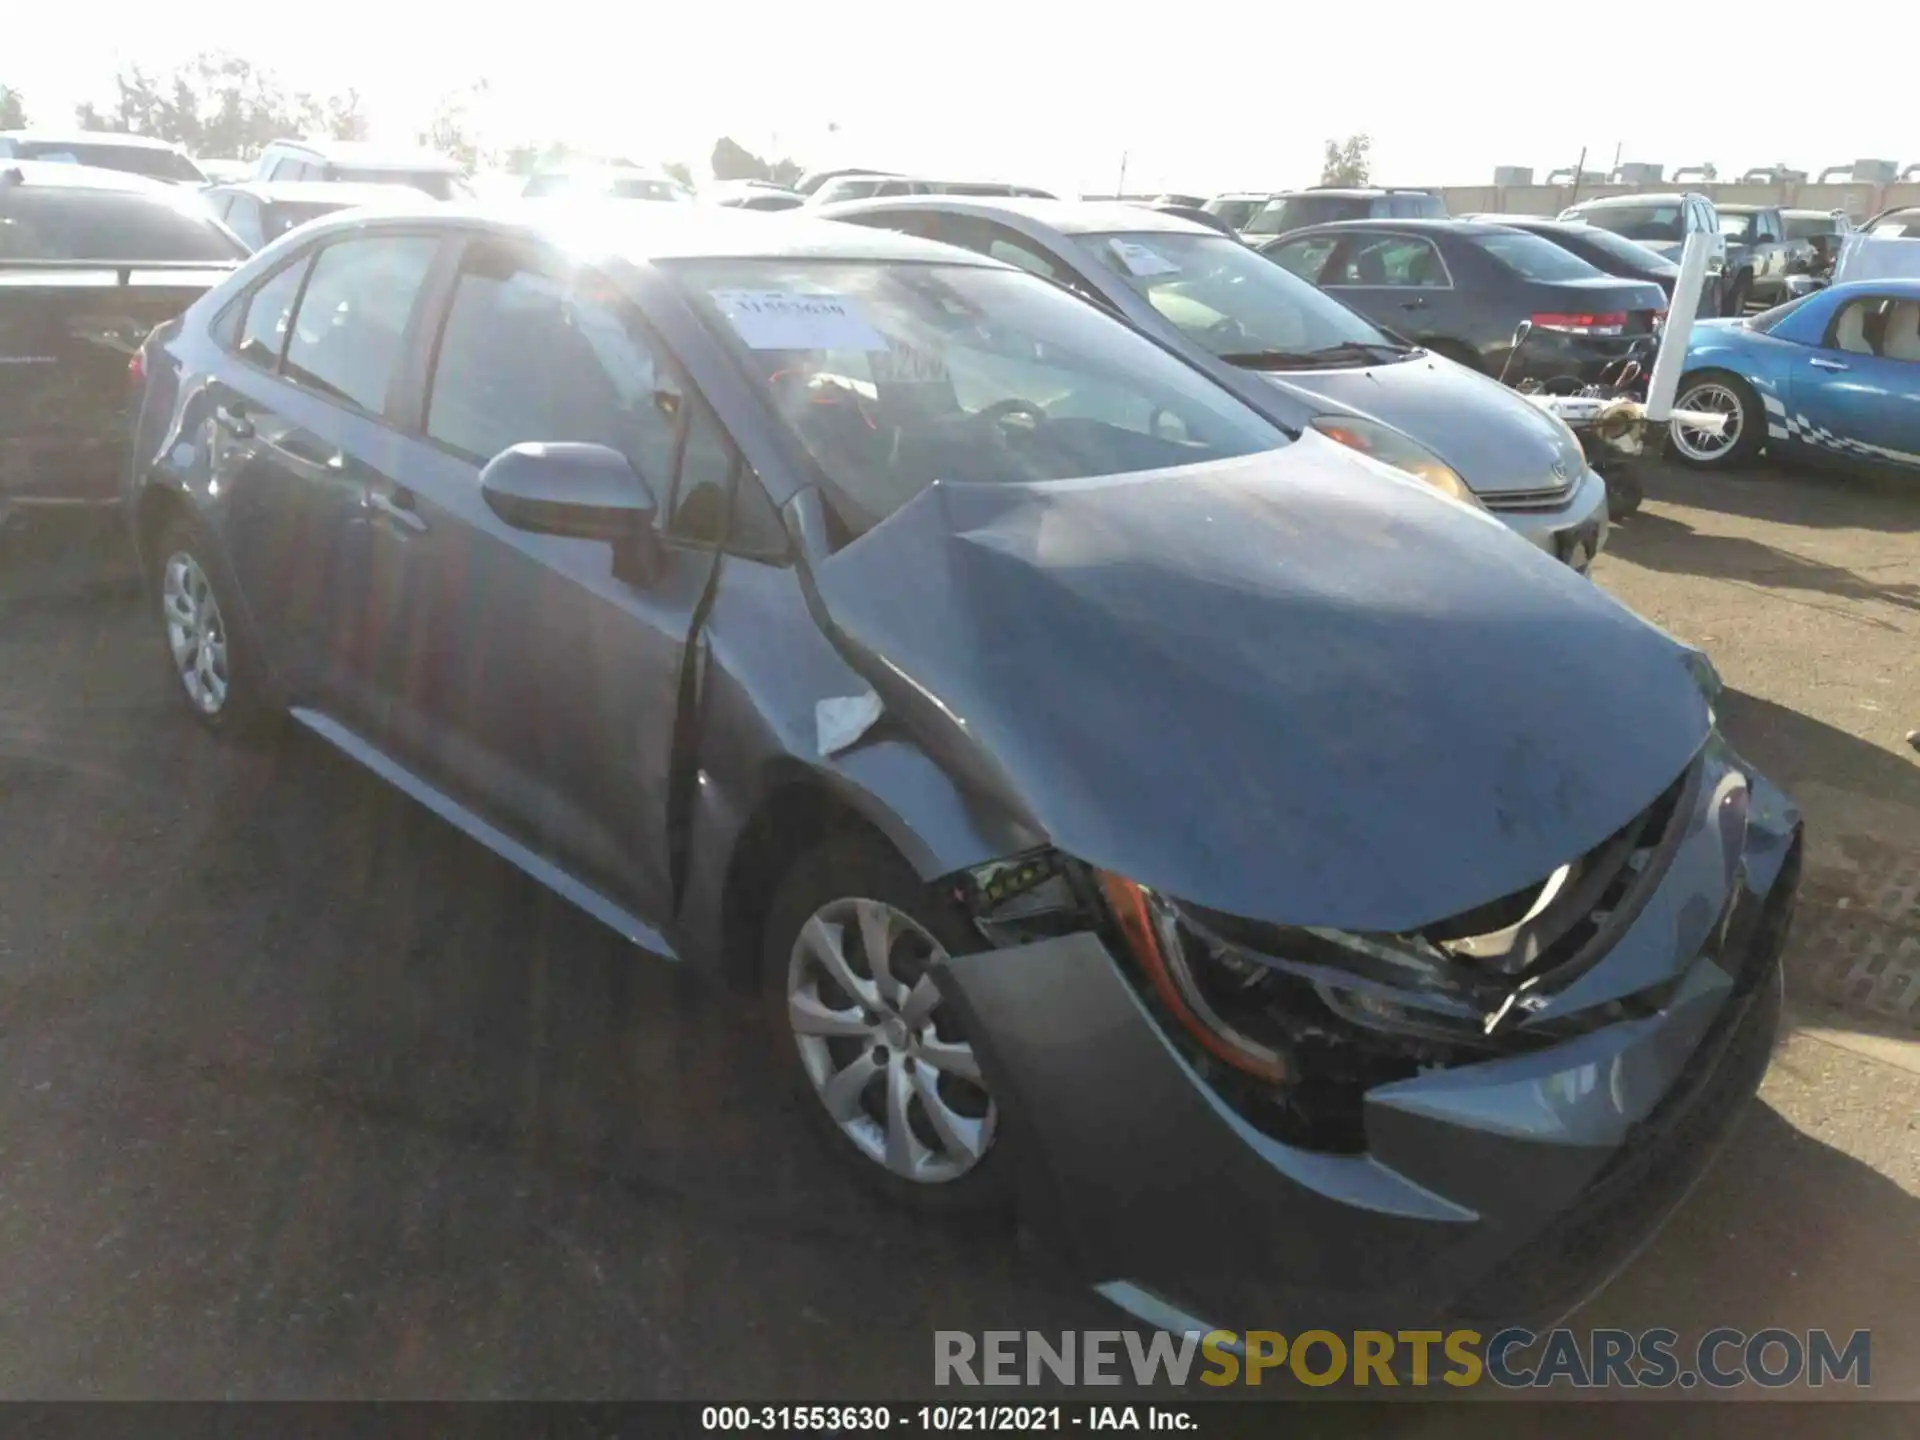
(883, 1067)
(1722, 394)
(214, 671)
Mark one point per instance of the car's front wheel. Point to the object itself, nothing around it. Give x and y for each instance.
(1743, 428)
(213, 669)
(883, 1067)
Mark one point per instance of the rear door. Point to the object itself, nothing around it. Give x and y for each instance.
(302, 442)
(522, 677)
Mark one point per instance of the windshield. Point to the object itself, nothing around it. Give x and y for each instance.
(1295, 212)
(110, 226)
(1659, 223)
(145, 160)
(896, 374)
(1736, 224)
(1533, 258)
(437, 183)
(1767, 319)
(1905, 222)
(1235, 212)
(1230, 299)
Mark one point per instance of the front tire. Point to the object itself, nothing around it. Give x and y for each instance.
(214, 670)
(1737, 295)
(881, 1065)
(1720, 392)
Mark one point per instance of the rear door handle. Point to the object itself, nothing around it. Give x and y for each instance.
(1819, 364)
(397, 506)
(233, 422)
(1417, 303)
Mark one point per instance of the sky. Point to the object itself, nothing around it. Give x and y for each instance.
(1201, 96)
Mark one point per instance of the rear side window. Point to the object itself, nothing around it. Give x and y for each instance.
(352, 319)
(1532, 258)
(108, 226)
(263, 334)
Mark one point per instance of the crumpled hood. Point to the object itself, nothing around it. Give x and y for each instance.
(1293, 687)
(1495, 440)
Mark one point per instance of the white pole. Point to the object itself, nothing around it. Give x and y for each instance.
(1664, 383)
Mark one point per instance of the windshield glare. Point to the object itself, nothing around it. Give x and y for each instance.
(1228, 298)
(896, 374)
(1637, 222)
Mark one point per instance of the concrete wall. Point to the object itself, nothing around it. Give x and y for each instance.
(1859, 201)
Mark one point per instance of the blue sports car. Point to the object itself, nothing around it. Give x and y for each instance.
(1835, 374)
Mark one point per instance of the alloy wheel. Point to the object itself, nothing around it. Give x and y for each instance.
(1703, 445)
(196, 632)
(885, 1057)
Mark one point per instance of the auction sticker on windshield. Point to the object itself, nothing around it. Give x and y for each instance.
(797, 320)
(1142, 261)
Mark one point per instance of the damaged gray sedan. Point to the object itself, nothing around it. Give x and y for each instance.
(1295, 893)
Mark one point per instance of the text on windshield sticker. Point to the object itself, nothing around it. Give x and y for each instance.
(797, 320)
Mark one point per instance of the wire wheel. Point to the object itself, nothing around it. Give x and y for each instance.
(1703, 447)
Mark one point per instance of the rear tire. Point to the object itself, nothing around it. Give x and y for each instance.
(1721, 391)
(880, 1066)
(213, 669)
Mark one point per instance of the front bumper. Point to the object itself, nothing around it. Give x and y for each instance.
(1570, 527)
(1501, 1192)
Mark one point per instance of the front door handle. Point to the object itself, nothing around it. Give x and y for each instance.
(397, 506)
(1819, 364)
(233, 422)
(1417, 303)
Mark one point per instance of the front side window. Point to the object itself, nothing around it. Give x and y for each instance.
(1532, 258)
(528, 355)
(263, 334)
(244, 220)
(1229, 299)
(1400, 261)
(1296, 212)
(352, 322)
(1737, 224)
(895, 374)
(109, 226)
(1879, 325)
(1236, 213)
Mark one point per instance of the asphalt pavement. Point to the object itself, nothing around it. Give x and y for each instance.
(302, 1094)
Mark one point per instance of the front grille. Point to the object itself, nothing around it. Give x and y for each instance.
(1546, 498)
(1662, 1155)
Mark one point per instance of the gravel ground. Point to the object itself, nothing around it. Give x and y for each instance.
(302, 1094)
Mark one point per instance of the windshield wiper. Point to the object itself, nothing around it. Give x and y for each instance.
(1346, 350)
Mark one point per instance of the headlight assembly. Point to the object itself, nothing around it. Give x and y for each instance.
(1390, 447)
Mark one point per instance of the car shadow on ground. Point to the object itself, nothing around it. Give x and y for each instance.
(1791, 749)
(1792, 492)
(1662, 542)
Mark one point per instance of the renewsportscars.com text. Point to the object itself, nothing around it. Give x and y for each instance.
(1515, 1359)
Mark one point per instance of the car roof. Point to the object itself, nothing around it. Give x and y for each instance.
(1799, 212)
(307, 192)
(1741, 209)
(672, 232)
(1424, 225)
(370, 155)
(1650, 198)
(59, 174)
(1069, 217)
(90, 137)
(1901, 289)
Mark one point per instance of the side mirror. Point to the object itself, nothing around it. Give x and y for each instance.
(589, 492)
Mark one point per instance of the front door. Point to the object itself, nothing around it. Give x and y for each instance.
(522, 676)
(1857, 394)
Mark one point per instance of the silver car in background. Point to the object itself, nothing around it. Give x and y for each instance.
(1293, 352)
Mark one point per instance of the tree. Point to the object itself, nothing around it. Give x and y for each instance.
(733, 161)
(220, 104)
(13, 109)
(453, 131)
(681, 171)
(1347, 162)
